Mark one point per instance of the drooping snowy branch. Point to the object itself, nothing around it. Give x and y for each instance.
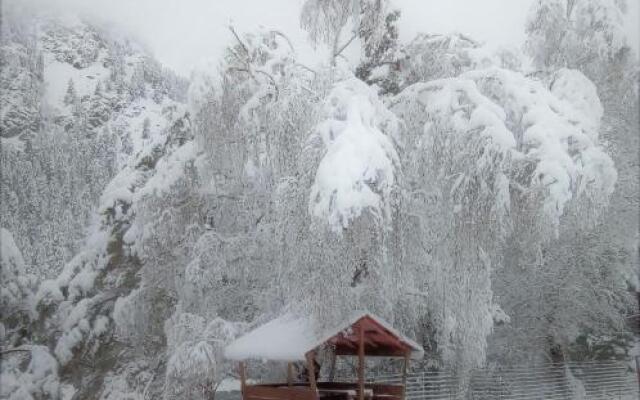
(358, 171)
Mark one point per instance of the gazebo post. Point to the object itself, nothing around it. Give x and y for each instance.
(361, 362)
(405, 367)
(312, 370)
(332, 373)
(243, 378)
(289, 374)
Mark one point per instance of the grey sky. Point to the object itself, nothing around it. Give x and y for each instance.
(183, 34)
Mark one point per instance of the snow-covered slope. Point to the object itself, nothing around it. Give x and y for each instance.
(119, 118)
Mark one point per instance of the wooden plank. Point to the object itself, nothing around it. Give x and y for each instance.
(393, 390)
(390, 338)
(260, 392)
(369, 341)
(346, 342)
(289, 374)
(243, 378)
(379, 352)
(361, 362)
(378, 388)
(312, 370)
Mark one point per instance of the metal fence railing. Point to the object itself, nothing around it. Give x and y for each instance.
(601, 380)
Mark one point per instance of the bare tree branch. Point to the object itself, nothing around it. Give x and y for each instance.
(246, 50)
(26, 349)
(336, 54)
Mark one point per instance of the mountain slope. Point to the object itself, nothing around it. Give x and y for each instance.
(90, 125)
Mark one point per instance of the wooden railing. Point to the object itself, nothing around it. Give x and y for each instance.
(380, 391)
(301, 391)
(282, 392)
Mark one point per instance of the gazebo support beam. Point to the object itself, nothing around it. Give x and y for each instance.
(405, 367)
(334, 357)
(361, 362)
(312, 370)
(289, 374)
(243, 376)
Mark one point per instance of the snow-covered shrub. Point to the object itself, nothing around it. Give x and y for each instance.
(37, 381)
(196, 365)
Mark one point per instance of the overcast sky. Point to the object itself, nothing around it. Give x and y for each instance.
(183, 34)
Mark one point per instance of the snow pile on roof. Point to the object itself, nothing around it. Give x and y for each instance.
(284, 338)
(289, 338)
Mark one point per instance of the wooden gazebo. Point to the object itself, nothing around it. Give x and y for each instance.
(293, 339)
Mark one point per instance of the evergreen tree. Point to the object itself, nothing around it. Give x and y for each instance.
(145, 128)
(70, 96)
(380, 62)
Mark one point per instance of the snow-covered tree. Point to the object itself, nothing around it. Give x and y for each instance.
(355, 200)
(325, 21)
(16, 292)
(381, 53)
(576, 34)
(30, 372)
(353, 134)
(338, 23)
(145, 128)
(435, 56)
(21, 77)
(70, 96)
(480, 151)
(587, 36)
(196, 364)
(471, 202)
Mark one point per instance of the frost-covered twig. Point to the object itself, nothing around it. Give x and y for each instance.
(282, 35)
(344, 46)
(233, 31)
(26, 349)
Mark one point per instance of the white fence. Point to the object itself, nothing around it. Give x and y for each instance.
(606, 380)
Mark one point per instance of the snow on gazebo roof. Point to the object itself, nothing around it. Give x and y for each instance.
(290, 338)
